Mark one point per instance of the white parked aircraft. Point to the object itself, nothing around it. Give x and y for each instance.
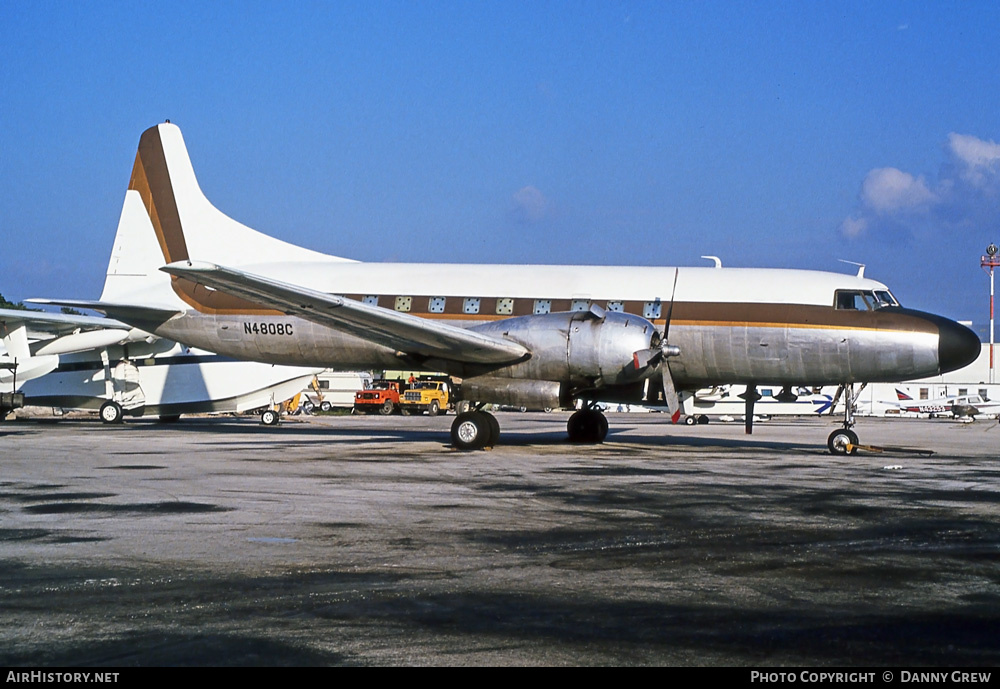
(82, 362)
(521, 335)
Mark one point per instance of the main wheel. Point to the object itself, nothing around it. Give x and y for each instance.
(269, 417)
(840, 439)
(111, 412)
(587, 426)
(387, 408)
(471, 431)
(494, 429)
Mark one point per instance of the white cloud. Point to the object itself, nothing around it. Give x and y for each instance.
(979, 160)
(530, 205)
(895, 203)
(886, 190)
(852, 227)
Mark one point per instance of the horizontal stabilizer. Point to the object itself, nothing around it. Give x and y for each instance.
(400, 331)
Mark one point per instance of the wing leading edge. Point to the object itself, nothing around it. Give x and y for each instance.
(403, 332)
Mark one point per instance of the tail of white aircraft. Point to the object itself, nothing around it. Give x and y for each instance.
(166, 218)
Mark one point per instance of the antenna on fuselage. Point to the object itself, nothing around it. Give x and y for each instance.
(861, 266)
(718, 261)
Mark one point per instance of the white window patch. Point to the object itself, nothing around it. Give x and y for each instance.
(543, 306)
(505, 306)
(471, 305)
(616, 306)
(371, 300)
(651, 309)
(580, 305)
(436, 305)
(404, 303)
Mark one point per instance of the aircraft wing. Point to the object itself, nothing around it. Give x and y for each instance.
(41, 325)
(400, 331)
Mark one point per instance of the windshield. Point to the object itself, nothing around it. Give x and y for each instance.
(863, 300)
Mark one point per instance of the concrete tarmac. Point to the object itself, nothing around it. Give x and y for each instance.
(344, 540)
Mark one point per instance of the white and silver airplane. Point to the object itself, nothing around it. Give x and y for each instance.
(523, 335)
(82, 362)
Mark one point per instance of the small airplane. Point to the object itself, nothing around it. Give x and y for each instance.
(958, 406)
(521, 335)
(70, 361)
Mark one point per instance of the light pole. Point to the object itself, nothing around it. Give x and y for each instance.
(990, 261)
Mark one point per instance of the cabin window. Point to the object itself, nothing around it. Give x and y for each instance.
(471, 305)
(616, 306)
(371, 300)
(580, 305)
(924, 393)
(982, 395)
(404, 303)
(436, 305)
(505, 306)
(542, 306)
(963, 391)
(651, 309)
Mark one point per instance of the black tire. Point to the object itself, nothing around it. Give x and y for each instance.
(690, 420)
(702, 419)
(839, 439)
(111, 412)
(470, 431)
(404, 410)
(434, 409)
(307, 407)
(170, 418)
(325, 406)
(494, 429)
(387, 408)
(269, 417)
(587, 426)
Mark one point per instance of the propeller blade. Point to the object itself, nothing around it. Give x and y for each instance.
(670, 393)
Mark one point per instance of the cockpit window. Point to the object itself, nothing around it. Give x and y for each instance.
(884, 298)
(859, 300)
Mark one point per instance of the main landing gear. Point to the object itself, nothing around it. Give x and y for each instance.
(475, 430)
(844, 441)
(587, 425)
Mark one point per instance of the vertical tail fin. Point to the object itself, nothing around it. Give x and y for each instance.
(185, 226)
(134, 275)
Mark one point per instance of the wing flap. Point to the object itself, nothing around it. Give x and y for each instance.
(400, 331)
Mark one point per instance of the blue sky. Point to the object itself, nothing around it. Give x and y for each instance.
(768, 133)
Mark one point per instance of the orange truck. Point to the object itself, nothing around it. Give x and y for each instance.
(383, 397)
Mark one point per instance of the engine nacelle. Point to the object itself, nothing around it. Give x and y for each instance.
(583, 349)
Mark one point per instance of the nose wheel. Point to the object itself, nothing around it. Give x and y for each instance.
(843, 441)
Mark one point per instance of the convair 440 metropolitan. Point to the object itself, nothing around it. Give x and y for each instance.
(533, 336)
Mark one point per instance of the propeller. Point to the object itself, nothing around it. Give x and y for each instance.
(658, 354)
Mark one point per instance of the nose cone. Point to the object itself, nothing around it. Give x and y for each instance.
(957, 346)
